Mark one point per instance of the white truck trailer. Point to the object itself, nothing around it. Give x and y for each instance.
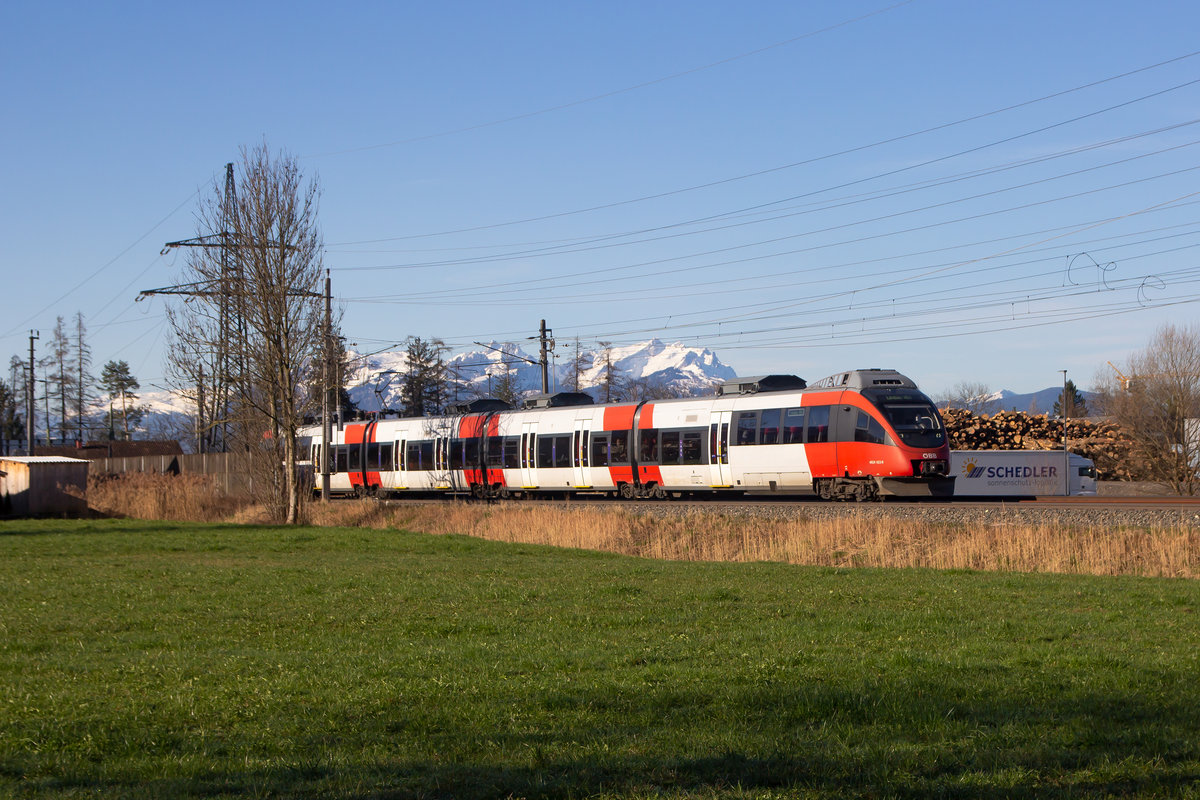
(1021, 473)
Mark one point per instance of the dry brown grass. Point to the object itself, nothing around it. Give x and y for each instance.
(145, 495)
(848, 541)
(842, 542)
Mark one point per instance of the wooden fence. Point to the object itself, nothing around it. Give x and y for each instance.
(220, 466)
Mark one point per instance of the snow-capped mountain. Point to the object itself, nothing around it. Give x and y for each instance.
(376, 379)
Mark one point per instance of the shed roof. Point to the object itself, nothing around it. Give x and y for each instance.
(43, 460)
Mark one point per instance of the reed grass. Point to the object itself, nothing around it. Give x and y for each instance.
(147, 495)
(849, 540)
(846, 541)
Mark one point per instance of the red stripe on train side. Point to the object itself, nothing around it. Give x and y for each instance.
(619, 418)
(373, 478)
(651, 474)
(354, 434)
(470, 427)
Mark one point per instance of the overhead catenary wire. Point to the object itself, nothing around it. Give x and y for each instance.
(805, 162)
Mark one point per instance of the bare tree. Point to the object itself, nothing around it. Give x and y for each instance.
(611, 380)
(504, 383)
(58, 380)
(257, 320)
(1162, 395)
(972, 396)
(82, 388)
(581, 362)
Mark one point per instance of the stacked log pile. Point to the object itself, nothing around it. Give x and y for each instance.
(1103, 442)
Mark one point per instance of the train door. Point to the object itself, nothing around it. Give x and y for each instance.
(580, 444)
(442, 477)
(528, 453)
(718, 449)
(401, 453)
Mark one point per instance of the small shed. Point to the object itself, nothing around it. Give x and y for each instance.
(34, 485)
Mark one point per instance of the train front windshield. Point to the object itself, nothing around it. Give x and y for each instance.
(912, 416)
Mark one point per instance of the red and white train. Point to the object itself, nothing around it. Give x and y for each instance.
(857, 435)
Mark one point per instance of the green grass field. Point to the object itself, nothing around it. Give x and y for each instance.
(161, 660)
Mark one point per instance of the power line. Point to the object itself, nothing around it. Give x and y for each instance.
(804, 162)
(614, 92)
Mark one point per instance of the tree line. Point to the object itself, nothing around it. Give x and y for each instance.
(69, 400)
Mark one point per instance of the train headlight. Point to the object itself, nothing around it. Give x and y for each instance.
(933, 468)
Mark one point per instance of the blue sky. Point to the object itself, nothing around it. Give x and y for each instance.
(985, 191)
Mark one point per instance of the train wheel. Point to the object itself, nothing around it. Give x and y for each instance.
(824, 488)
(627, 491)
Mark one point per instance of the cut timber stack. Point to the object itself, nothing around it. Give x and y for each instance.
(1103, 442)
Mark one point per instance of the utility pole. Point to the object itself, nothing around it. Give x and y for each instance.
(230, 311)
(33, 335)
(1066, 456)
(327, 385)
(543, 337)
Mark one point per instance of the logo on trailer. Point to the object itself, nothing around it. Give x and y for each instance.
(970, 470)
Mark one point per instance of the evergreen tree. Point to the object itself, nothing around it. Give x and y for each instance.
(18, 382)
(424, 390)
(1076, 406)
(120, 385)
(11, 424)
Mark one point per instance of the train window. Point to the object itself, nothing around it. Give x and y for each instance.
(562, 451)
(793, 426)
(495, 452)
(691, 447)
(471, 453)
(545, 451)
(818, 424)
(354, 456)
(868, 429)
(340, 463)
(620, 448)
(670, 447)
(385, 456)
(747, 427)
(600, 450)
(420, 455)
(512, 450)
(768, 426)
(648, 446)
(917, 425)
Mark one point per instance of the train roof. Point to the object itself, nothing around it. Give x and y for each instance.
(761, 383)
(865, 379)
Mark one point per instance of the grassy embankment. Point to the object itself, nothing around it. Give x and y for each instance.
(180, 659)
